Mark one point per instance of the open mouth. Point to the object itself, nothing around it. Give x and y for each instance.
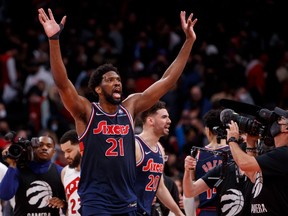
(117, 94)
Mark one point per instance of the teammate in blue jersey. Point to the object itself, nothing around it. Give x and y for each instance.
(150, 162)
(108, 171)
(207, 160)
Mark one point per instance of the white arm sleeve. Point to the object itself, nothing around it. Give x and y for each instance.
(190, 205)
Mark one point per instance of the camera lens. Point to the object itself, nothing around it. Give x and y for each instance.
(15, 151)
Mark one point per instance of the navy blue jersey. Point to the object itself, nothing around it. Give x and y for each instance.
(205, 162)
(149, 170)
(108, 170)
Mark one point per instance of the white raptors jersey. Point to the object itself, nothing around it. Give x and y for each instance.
(71, 180)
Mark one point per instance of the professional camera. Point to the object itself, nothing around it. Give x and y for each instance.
(257, 120)
(20, 149)
(247, 125)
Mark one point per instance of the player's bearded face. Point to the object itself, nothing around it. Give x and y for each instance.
(110, 98)
(76, 161)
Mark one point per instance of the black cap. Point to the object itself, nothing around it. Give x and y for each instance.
(281, 112)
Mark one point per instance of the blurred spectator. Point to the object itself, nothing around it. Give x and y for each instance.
(178, 182)
(157, 66)
(188, 205)
(193, 73)
(173, 102)
(190, 131)
(41, 53)
(38, 72)
(115, 33)
(35, 97)
(8, 75)
(282, 77)
(4, 127)
(3, 111)
(256, 77)
(197, 99)
(54, 115)
(143, 48)
(243, 95)
(24, 133)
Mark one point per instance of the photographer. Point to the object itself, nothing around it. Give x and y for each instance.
(233, 188)
(36, 183)
(269, 171)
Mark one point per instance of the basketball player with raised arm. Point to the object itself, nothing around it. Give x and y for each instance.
(105, 127)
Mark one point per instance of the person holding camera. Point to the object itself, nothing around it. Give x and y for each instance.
(268, 171)
(233, 187)
(36, 184)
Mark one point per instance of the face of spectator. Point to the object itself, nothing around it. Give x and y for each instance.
(4, 127)
(196, 93)
(3, 112)
(46, 149)
(179, 185)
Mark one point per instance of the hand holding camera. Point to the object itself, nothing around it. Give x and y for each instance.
(11, 162)
(20, 150)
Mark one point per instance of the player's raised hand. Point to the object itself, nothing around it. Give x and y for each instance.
(51, 27)
(188, 25)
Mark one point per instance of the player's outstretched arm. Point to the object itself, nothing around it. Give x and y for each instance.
(77, 105)
(141, 101)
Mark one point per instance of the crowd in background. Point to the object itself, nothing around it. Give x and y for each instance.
(240, 53)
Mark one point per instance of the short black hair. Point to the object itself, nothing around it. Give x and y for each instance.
(71, 136)
(49, 133)
(49, 136)
(97, 75)
(211, 119)
(157, 106)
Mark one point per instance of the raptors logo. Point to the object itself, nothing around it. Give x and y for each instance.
(232, 202)
(39, 193)
(259, 207)
(258, 184)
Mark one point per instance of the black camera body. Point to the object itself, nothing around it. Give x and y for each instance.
(253, 125)
(21, 150)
